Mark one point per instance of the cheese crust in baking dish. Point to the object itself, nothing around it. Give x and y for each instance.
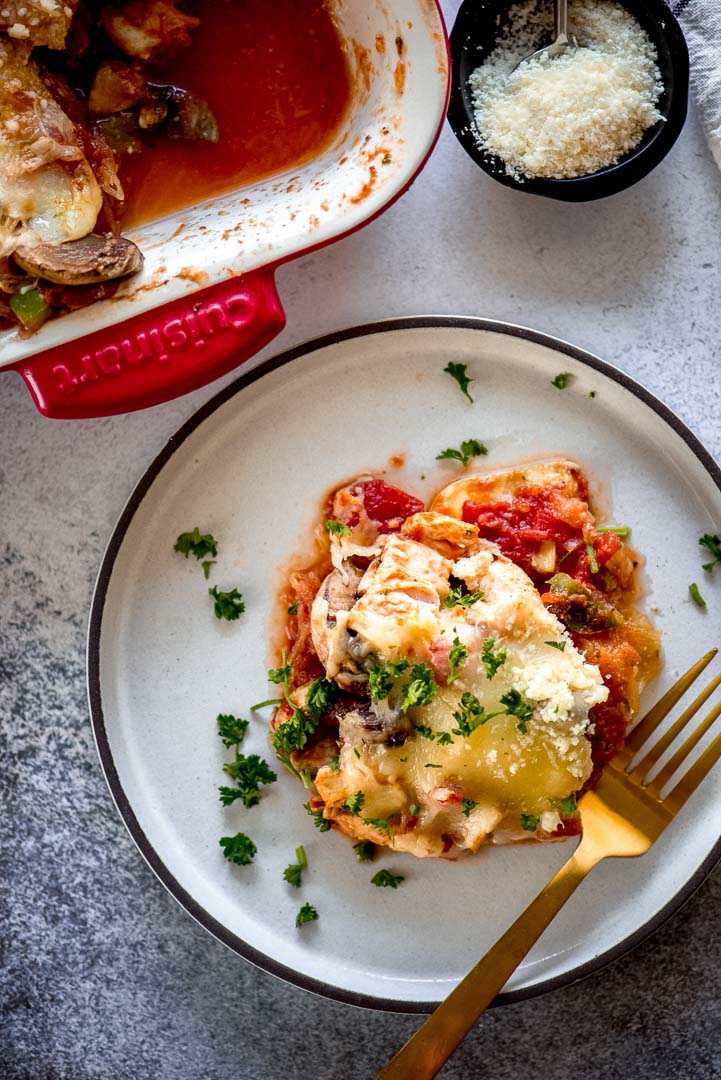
(457, 675)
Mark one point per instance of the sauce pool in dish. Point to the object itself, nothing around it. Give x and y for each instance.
(276, 79)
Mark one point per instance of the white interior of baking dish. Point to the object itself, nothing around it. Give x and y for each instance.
(397, 56)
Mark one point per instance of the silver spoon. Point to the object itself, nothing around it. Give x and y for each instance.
(561, 41)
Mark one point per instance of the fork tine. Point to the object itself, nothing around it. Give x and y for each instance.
(688, 783)
(682, 753)
(663, 707)
(659, 748)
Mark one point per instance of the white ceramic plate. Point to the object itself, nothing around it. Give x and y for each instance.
(251, 467)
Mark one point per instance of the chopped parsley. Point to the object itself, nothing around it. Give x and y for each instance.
(306, 914)
(444, 738)
(292, 735)
(382, 824)
(561, 380)
(590, 552)
(458, 372)
(713, 544)
(518, 707)
(231, 729)
(620, 530)
(468, 805)
(425, 731)
(456, 656)
(249, 773)
(568, 806)
(197, 544)
(206, 568)
(356, 751)
(432, 765)
(365, 850)
(293, 873)
(385, 880)
(470, 448)
(318, 820)
(281, 674)
(560, 645)
(492, 661)
(238, 849)
(333, 764)
(293, 609)
(354, 803)
(529, 822)
(321, 695)
(336, 528)
(382, 677)
(414, 810)
(696, 595)
(227, 605)
(458, 597)
(470, 715)
(420, 688)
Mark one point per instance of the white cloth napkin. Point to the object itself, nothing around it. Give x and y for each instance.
(701, 23)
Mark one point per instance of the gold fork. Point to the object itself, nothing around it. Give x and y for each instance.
(621, 817)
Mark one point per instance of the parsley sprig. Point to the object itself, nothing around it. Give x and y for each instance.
(382, 678)
(529, 822)
(382, 824)
(456, 656)
(238, 849)
(365, 850)
(492, 661)
(386, 880)
(470, 715)
(420, 689)
(249, 773)
(354, 803)
(336, 528)
(713, 545)
(459, 597)
(227, 605)
(294, 872)
(470, 448)
(293, 733)
(196, 543)
(231, 729)
(458, 372)
(318, 820)
(517, 706)
(306, 914)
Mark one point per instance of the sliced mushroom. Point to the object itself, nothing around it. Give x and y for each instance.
(81, 262)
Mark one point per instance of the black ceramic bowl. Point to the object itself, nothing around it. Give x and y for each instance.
(473, 37)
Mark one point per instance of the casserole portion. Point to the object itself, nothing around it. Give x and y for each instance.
(449, 687)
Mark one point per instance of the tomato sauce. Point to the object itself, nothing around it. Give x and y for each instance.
(275, 76)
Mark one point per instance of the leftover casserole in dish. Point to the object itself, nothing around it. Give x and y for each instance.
(459, 675)
(121, 112)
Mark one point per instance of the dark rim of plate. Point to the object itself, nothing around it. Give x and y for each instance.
(122, 803)
(663, 29)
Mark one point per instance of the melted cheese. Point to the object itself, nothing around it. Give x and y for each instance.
(504, 771)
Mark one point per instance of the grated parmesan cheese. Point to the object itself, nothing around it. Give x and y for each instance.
(575, 114)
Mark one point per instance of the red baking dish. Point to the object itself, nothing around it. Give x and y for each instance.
(206, 299)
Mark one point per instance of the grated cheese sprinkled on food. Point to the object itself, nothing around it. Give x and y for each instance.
(575, 114)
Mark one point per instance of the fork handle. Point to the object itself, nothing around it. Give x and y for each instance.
(434, 1042)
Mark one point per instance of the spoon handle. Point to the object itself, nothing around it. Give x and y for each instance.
(561, 18)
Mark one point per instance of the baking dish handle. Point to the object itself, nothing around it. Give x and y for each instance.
(158, 355)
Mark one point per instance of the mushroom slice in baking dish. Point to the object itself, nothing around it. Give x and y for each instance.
(482, 659)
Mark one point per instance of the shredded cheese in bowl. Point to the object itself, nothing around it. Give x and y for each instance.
(575, 114)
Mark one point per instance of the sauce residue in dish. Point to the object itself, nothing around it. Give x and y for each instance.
(276, 78)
